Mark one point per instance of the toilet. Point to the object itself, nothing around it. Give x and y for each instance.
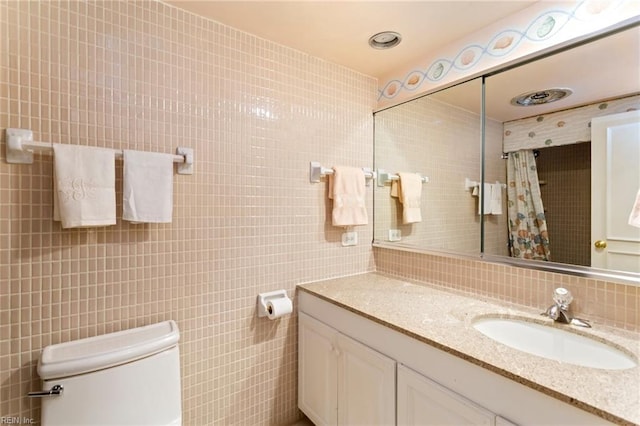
(130, 377)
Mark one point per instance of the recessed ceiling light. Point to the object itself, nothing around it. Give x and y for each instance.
(540, 97)
(385, 40)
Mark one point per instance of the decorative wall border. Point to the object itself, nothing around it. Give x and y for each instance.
(555, 24)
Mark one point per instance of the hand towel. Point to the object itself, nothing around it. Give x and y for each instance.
(147, 193)
(84, 186)
(347, 189)
(408, 189)
(496, 199)
(485, 194)
(634, 217)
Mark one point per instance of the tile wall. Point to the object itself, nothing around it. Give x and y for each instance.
(143, 75)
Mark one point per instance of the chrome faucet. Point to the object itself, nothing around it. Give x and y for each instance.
(559, 311)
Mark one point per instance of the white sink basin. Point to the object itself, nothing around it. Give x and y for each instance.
(554, 343)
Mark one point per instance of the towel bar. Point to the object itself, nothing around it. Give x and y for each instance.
(316, 171)
(21, 147)
(470, 184)
(384, 177)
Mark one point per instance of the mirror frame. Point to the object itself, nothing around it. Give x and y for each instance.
(574, 270)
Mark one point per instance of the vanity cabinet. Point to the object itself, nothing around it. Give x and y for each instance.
(423, 402)
(342, 381)
(347, 375)
(317, 371)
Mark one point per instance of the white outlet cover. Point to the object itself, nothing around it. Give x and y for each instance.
(349, 238)
(395, 235)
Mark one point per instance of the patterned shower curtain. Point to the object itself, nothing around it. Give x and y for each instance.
(528, 237)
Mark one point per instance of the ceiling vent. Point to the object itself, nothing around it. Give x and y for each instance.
(540, 97)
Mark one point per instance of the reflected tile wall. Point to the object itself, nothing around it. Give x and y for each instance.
(443, 142)
(143, 75)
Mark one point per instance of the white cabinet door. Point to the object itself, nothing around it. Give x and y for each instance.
(317, 371)
(366, 385)
(424, 402)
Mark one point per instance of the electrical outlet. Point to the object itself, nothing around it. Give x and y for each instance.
(349, 238)
(395, 235)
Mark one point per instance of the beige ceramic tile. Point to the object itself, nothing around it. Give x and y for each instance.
(147, 76)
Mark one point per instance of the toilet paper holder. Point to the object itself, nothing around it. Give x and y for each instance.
(264, 298)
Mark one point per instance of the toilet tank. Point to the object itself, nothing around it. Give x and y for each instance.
(130, 377)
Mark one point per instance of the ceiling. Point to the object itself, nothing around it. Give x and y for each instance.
(338, 31)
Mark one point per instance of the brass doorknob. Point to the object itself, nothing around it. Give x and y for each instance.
(600, 244)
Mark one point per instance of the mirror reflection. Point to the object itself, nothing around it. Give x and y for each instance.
(571, 138)
(438, 136)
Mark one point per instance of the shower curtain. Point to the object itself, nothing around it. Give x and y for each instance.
(528, 237)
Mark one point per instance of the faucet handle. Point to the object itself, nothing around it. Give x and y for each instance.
(562, 297)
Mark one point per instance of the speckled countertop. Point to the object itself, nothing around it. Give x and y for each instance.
(444, 320)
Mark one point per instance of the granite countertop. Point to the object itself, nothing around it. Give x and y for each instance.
(444, 320)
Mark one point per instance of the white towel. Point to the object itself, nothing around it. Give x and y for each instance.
(84, 186)
(484, 192)
(634, 217)
(147, 194)
(347, 188)
(496, 199)
(408, 189)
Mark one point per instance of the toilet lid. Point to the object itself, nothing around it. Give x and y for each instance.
(107, 350)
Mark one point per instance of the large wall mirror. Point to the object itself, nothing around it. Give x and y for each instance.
(583, 226)
(440, 141)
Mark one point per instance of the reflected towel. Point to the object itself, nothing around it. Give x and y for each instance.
(147, 194)
(408, 190)
(347, 189)
(84, 186)
(634, 217)
(496, 199)
(484, 192)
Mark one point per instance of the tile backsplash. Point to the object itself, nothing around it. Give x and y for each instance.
(602, 302)
(144, 75)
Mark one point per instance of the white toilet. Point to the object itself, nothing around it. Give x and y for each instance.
(131, 377)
